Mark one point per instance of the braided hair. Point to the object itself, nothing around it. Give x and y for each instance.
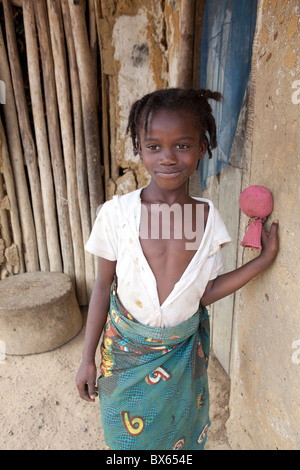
(175, 99)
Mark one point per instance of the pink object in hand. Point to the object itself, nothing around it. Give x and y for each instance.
(257, 203)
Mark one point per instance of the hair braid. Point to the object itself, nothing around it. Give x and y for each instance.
(175, 99)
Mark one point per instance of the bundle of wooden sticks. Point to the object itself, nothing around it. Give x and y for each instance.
(53, 167)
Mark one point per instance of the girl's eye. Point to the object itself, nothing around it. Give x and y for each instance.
(182, 146)
(153, 147)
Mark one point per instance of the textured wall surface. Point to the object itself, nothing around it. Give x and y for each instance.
(140, 53)
(265, 365)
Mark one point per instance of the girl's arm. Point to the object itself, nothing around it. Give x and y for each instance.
(228, 283)
(96, 319)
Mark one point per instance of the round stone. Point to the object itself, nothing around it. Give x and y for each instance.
(38, 312)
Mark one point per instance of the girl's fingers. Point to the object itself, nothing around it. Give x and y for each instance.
(92, 391)
(273, 228)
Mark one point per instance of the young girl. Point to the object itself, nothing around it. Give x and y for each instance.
(153, 385)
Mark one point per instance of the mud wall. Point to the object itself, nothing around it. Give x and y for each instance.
(265, 356)
(142, 44)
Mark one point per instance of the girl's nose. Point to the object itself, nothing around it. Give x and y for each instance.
(167, 157)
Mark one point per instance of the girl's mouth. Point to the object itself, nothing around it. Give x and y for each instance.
(168, 174)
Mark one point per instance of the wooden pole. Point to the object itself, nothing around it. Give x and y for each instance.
(105, 107)
(5, 239)
(6, 268)
(93, 42)
(55, 139)
(111, 168)
(41, 138)
(15, 150)
(11, 193)
(81, 168)
(4, 223)
(186, 52)
(88, 86)
(16, 3)
(26, 136)
(64, 106)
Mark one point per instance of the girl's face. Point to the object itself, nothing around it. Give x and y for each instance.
(171, 148)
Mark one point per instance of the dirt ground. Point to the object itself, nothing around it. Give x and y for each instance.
(40, 408)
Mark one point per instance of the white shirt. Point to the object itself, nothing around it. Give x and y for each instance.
(115, 236)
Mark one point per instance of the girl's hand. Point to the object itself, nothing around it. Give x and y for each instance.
(230, 282)
(270, 243)
(86, 381)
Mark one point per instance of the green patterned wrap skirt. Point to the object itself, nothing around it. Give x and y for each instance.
(153, 386)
